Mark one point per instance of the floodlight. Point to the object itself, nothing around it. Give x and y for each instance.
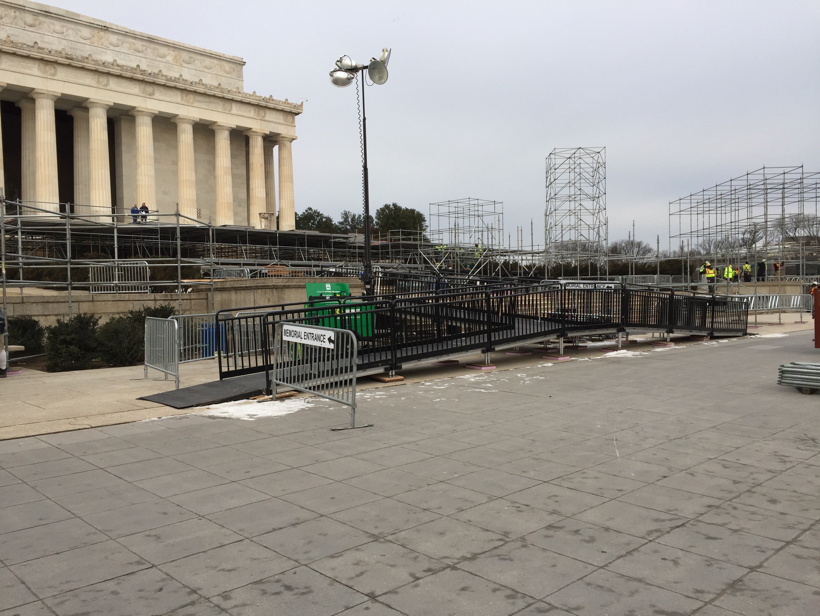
(377, 72)
(341, 79)
(386, 56)
(346, 63)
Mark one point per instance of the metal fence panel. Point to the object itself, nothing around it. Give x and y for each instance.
(231, 272)
(198, 336)
(120, 277)
(162, 347)
(765, 303)
(320, 360)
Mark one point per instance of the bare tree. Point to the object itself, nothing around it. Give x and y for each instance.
(750, 236)
(801, 226)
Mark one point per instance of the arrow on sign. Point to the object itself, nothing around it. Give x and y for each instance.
(330, 340)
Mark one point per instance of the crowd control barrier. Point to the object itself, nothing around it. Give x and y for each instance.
(120, 277)
(318, 360)
(162, 347)
(771, 303)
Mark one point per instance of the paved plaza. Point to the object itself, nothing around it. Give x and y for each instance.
(654, 482)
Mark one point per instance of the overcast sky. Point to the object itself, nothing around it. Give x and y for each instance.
(682, 94)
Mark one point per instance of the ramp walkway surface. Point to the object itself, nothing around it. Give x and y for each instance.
(215, 392)
(400, 330)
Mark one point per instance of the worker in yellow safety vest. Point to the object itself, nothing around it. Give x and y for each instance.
(747, 272)
(729, 273)
(708, 272)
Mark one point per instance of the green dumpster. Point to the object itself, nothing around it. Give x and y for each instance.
(339, 310)
(327, 289)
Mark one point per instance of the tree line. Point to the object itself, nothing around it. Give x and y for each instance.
(389, 217)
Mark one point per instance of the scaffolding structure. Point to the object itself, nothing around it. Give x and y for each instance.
(468, 234)
(575, 221)
(467, 222)
(765, 216)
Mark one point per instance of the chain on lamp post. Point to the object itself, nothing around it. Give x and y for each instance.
(343, 75)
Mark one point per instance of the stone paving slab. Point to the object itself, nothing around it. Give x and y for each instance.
(631, 485)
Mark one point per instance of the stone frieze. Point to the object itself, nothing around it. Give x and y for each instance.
(98, 34)
(104, 68)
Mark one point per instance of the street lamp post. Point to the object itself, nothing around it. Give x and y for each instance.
(342, 76)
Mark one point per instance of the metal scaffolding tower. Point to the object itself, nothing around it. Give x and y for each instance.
(468, 234)
(467, 222)
(575, 219)
(769, 213)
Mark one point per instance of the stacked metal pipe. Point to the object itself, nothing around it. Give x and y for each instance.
(799, 374)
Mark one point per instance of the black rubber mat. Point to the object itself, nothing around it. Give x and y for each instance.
(237, 388)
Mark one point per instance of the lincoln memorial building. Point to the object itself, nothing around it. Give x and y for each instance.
(103, 117)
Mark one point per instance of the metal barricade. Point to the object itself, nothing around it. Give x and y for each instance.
(770, 303)
(317, 360)
(231, 272)
(653, 279)
(162, 347)
(198, 336)
(120, 277)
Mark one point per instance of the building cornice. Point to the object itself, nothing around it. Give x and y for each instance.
(44, 13)
(34, 51)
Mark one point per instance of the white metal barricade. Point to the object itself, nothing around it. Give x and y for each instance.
(317, 360)
(648, 279)
(231, 272)
(767, 303)
(120, 277)
(162, 347)
(198, 336)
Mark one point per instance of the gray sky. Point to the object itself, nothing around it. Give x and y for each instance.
(682, 94)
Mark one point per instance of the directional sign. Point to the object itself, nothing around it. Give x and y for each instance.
(308, 335)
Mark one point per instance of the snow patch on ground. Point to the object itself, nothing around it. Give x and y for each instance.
(367, 395)
(771, 336)
(248, 410)
(624, 354)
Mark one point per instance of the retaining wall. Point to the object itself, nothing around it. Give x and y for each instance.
(48, 305)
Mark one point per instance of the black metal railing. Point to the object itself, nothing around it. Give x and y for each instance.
(411, 326)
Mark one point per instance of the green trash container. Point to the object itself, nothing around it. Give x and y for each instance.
(339, 311)
(358, 318)
(327, 289)
(327, 311)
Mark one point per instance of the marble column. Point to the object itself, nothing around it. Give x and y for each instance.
(287, 209)
(82, 190)
(270, 182)
(186, 171)
(99, 167)
(47, 188)
(2, 166)
(28, 153)
(146, 177)
(257, 203)
(223, 174)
